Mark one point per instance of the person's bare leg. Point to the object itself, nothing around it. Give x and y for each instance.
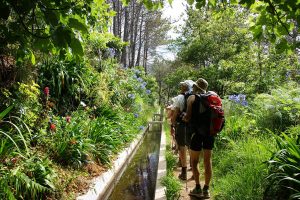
(190, 161)
(182, 155)
(207, 166)
(195, 160)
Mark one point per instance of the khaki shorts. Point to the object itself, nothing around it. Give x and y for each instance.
(181, 135)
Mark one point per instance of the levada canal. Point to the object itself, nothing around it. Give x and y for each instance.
(138, 180)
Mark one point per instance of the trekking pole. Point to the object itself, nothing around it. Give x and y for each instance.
(172, 143)
(185, 130)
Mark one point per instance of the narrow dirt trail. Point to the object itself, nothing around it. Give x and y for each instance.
(189, 184)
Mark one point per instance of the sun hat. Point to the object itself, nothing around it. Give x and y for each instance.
(201, 84)
(188, 83)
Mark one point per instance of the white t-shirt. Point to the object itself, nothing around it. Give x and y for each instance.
(178, 102)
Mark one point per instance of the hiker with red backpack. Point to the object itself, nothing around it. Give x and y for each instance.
(206, 118)
(178, 126)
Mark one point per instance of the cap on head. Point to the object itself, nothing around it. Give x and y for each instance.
(188, 83)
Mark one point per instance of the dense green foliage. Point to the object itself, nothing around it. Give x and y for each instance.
(247, 162)
(274, 19)
(49, 26)
(280, 109)
(66, 103)
(63, 96)
(75, 113)
(246, 52)
(217, 45)
(284, 168)
(72, 129)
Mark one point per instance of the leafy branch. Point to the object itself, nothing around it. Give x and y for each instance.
(31, 33)
(57, 9)
(278, 17)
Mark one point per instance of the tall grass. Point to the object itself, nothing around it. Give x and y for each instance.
(239, 170)
(247, 143)
(173, 187)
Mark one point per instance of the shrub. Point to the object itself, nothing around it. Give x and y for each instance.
(65, 80)
(105, 134)
(69, 142)
(279, 110)
(14, 133)
(239, 123)
(28, 103)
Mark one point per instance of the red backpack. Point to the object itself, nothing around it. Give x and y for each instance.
(213, 103)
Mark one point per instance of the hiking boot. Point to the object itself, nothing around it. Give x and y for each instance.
(206, 193)
(182, 176)
(196, 193)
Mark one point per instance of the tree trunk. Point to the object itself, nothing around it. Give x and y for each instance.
(146, 38)
(135, 29)
(125, 38)
(115, 18)
(159, 93)
(138, 59)
(131, 33)
(259, 59)
(119, 18)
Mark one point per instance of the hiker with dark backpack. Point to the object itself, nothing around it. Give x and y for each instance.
(202, 120)
(178, 126)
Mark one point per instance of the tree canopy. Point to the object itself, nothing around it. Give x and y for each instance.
(49, 25)
(60, 26)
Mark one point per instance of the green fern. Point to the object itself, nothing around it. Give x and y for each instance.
(25, 186)
(5, 190)
(284, 168)
(15, 185)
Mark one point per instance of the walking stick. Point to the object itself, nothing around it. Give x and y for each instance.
(172, 143)
(185, 131)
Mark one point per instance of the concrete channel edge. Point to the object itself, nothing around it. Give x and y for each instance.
(161, 170)
(102, 185)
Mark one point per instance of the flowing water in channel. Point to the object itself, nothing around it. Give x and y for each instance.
(138, 180)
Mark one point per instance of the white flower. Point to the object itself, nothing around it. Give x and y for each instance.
(82, 103)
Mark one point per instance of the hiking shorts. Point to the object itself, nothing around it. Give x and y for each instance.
(200, 140)
(189, 132)
(181, 134)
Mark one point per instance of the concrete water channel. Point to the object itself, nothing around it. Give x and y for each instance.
(139, 179)
(134, 174)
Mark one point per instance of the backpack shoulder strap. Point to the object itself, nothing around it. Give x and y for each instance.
(186, 96)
